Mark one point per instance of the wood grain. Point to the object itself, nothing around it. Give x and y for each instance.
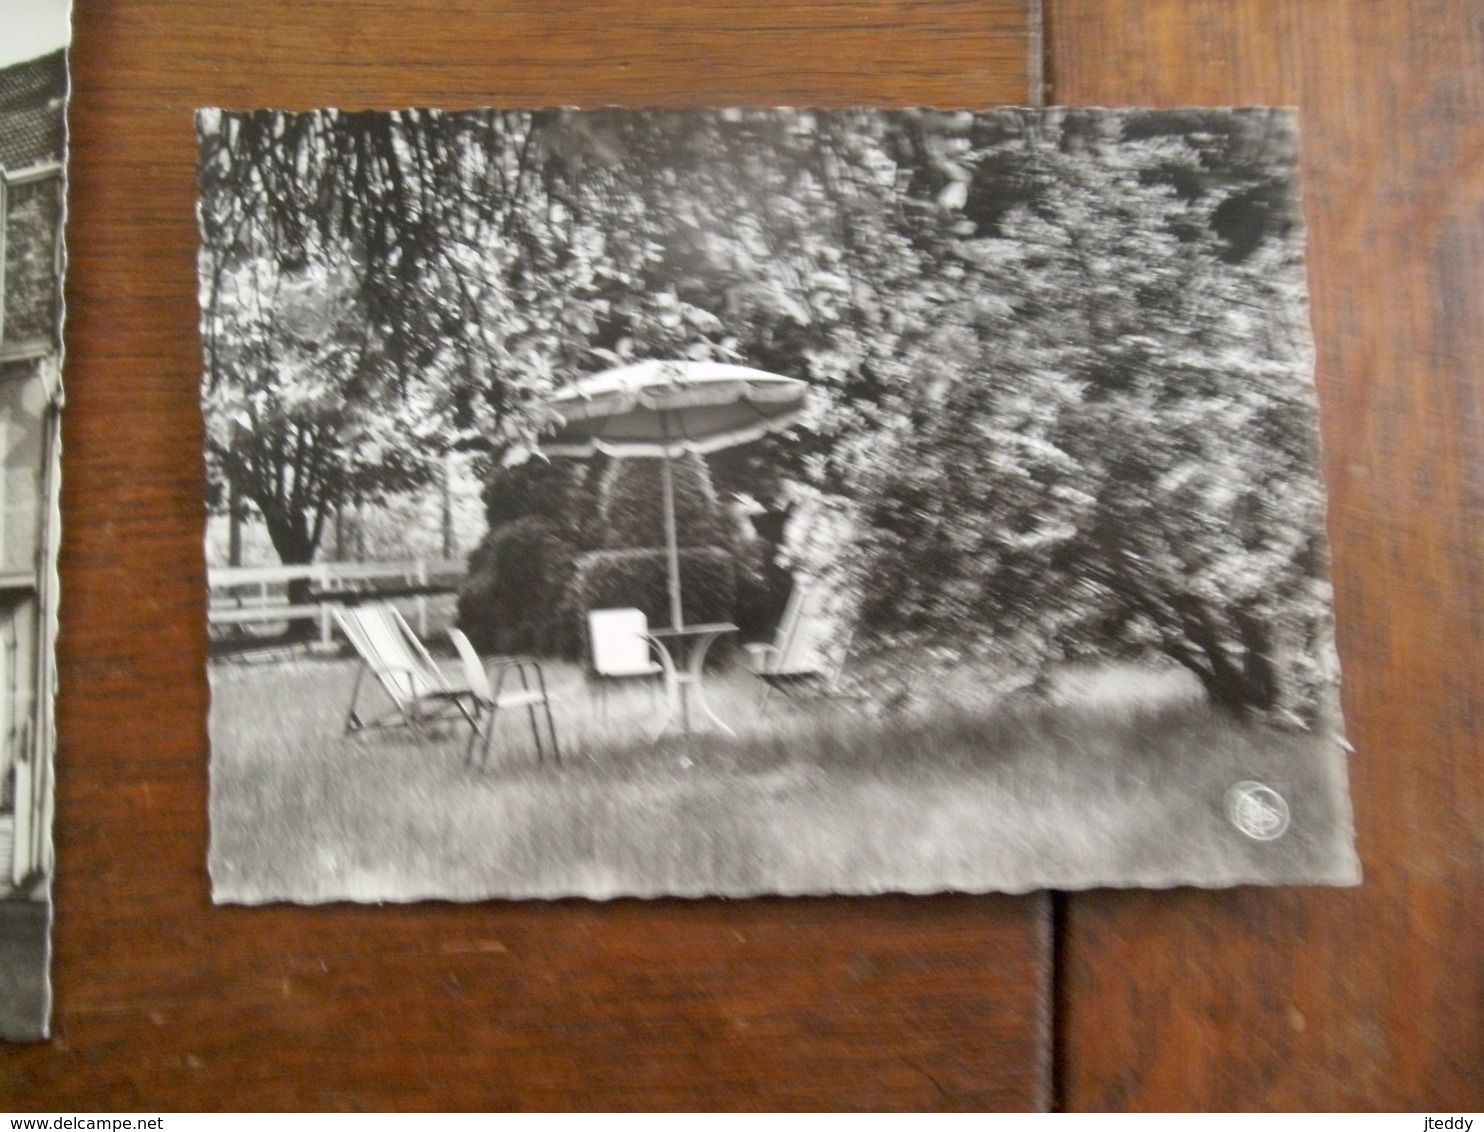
(1374, 997)
(164, 1002)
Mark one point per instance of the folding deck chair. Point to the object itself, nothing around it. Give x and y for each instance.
(809, 651)
(419, 691)
(489, 701)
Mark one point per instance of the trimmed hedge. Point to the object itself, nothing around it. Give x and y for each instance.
(631, 509)
(512, 597)
(554, 489)
(607, 579)
(566, 538)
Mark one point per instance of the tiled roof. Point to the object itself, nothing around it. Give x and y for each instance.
(33, 106)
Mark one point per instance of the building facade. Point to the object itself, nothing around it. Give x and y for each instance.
(33, 98)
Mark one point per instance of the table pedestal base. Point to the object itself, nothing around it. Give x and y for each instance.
(686, 710)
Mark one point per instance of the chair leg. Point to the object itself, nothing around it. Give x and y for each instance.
(471, 718)
(489, 734)
(556, 750)
(525, 686)
(474, 732)
(545, 702)
(534, 696)
(526, 667)
(352, 720)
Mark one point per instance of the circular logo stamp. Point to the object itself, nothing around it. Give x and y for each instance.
(1258, 811)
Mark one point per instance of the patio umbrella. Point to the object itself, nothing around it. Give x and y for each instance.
(665, 408)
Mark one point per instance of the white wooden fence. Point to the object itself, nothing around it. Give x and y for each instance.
(258, 595)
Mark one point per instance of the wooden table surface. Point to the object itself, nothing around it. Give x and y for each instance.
(1251, 998)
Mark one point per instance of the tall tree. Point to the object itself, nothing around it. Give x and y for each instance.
(358, 307)
(310, 425)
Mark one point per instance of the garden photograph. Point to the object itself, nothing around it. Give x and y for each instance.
(726, 502)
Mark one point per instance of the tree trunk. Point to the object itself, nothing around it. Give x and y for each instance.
(445, 484)
(234, 523)
(1252, 685)
(295, 547)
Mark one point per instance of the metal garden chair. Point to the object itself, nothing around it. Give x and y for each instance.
(489, 700)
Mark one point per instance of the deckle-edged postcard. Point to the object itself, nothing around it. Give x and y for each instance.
(742, 501)
(34, 35)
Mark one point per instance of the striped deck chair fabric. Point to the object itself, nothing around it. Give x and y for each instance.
(418, 690)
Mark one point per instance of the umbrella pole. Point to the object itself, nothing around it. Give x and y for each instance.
(672, 546)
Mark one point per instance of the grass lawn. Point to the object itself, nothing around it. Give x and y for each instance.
(1118, 777)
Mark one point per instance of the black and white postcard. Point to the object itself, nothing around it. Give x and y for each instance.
(725, 502)
(34, 35)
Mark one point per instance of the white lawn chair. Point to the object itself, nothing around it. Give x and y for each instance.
(488, 701)
(620, 649)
